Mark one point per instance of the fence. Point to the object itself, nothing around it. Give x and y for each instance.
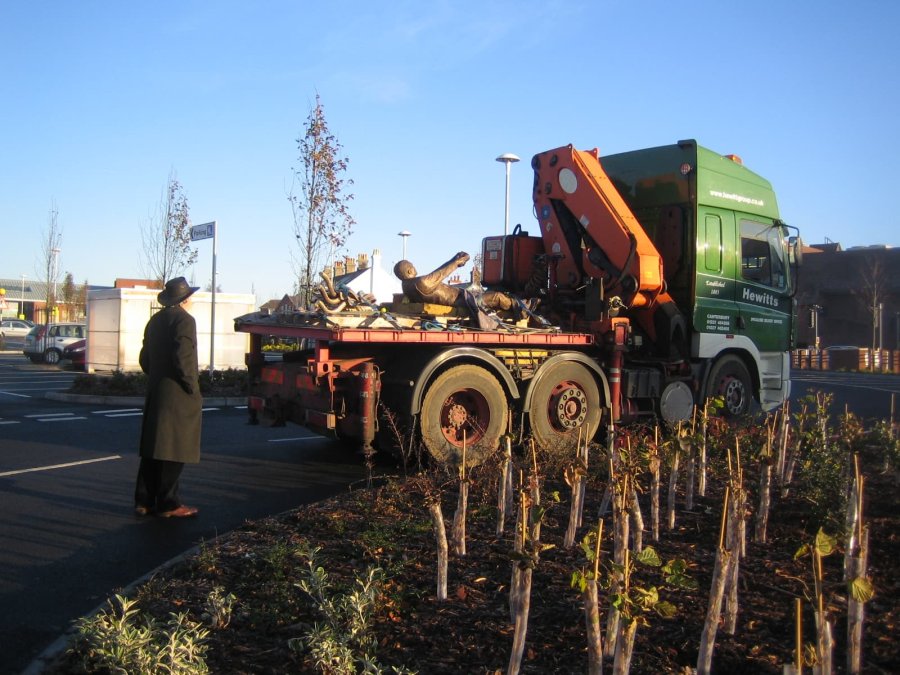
(879, 360)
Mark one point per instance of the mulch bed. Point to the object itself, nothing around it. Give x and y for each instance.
(388, 526)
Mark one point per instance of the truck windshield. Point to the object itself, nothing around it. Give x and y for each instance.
(763, 254)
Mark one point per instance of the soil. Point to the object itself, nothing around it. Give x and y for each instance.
(388, 526)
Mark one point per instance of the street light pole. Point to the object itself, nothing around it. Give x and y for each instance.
(507, 158)
(814, 316)
(212, 308)
(405, 234)
(22, 300)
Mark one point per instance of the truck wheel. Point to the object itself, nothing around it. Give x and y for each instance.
(51, 356)
(565, 400)
(730, 380)
(465, 400)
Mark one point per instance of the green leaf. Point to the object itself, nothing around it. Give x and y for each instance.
(665, 609)
(578, 581)
(675, 567)
(802, 552)
(682, 581)
(587, 545)
(646, 598)
(862, 590)
(825, 544)
(649, 557)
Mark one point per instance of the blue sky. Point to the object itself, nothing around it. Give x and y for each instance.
(101, 101)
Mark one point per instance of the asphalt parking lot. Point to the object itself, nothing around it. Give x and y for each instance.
(69, 537)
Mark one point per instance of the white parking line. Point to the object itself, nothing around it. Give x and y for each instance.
(127, 414)
(59, 466)
(59, 419)
(46, 415)
(117, 410)
(9, 422)
(10, 393)
(299, 438)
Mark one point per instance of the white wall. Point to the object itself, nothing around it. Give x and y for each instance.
(116, 318)
(377, 281)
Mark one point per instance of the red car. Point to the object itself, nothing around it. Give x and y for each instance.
(75, 353)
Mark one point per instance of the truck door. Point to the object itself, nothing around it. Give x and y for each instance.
(716, 270)
(764, 305)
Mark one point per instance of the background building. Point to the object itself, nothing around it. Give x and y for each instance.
(849, 297)
(27, 299)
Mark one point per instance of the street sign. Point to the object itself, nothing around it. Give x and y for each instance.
(204, 231)
(208, 231)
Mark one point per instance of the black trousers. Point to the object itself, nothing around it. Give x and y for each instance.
(157, 484)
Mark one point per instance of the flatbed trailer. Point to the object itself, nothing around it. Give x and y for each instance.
(336, 382)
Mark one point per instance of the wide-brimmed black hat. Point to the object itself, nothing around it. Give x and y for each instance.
(176, 292)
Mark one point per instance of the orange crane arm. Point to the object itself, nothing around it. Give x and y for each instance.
(592, 233)
(583, 217)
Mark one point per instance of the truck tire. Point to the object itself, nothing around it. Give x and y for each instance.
(565, 405)
(464, 400)
(730, 380)
(52, 356)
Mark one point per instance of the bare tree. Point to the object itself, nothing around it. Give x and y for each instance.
(322, 220)
(166, 236)
(874, 291)
(48, 266)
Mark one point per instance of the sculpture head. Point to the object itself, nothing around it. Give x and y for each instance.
(404, 270)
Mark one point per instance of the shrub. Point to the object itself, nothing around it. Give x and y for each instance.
(229, 382)
(119, 383)
(123, 640)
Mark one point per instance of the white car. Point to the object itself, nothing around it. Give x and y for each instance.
(46, 343)
(15, 328)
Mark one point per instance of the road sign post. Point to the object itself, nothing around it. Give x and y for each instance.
(206, 231)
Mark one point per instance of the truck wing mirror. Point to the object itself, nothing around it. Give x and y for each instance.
(795, 250)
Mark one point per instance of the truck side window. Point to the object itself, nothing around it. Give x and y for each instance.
(762, 254)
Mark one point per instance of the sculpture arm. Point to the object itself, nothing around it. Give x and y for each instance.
(427, 283)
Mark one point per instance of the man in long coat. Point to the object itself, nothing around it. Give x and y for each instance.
(170, 434)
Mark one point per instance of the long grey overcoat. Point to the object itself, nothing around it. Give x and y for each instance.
(171, 425)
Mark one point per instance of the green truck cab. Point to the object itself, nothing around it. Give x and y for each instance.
(728, 259)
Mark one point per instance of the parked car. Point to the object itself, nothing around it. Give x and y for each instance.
(45, 343)
(15, 328)
(75, 353)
